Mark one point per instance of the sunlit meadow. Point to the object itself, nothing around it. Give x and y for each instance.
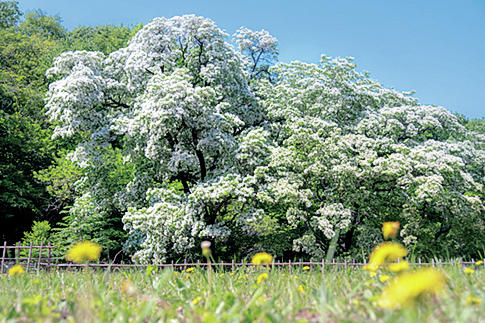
(336, 295)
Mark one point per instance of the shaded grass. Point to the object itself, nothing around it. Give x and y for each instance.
(338, 295)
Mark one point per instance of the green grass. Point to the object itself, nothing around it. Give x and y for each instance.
(338, 295)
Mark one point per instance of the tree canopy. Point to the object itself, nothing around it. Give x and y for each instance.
(187, 138)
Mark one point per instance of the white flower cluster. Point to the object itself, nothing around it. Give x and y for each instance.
(337, 149)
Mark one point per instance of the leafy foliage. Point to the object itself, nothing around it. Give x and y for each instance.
(332, 150)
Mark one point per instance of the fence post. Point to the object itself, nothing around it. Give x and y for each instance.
(17, 253)
(3, 257)
(290, 266)
(419, 260)
(232, 265)
(172, 265)
(323, 266)
(432, 261)
(40, 255)
(30, 255)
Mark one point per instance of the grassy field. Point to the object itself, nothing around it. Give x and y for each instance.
(337, 295)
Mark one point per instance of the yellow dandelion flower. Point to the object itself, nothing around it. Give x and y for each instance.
(469, 271)
(385, 252)
(82, 252)
(480, 262)
(262, 277)
(473, 300)
(403, 265)
(190, 270)
(187, 276)
(16, 270)
(301, 289)
(372, 274)
(389, 229)
(231, 274)
(262, 258)
(282, 274)
(404, 290)
(460, 265)
(306, 268)
(221, 275)
(384, 278)
(371, 268)
(196, 300)
(295, 277)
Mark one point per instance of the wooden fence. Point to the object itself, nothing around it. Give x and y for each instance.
(51, 262)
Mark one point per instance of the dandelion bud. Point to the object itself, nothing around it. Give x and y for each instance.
(205, 244)
(206, 252)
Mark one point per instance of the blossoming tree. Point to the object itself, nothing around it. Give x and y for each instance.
(203, 137)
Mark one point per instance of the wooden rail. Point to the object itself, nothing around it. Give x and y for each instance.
(29, 259)
(322, 264)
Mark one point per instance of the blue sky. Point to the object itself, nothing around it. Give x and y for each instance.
(435, 47)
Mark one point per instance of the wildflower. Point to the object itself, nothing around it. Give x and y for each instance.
(389, 229)
(295, 277)
(221, 275)
(128, 287)
(403, 265)
(187, 276)
(371, 268)
(16, 270)
(384, 278)
(84, 251)
(372, 274)
(262, 277)
(262, 258)
(206, 252)
(282, 274)
(473, 300)
(306, 268)
(469, 271)
(190, 270)
(404, 290)
(231, 274)
(384, 253)
(479, 262)
(300, 289)
(196, 300)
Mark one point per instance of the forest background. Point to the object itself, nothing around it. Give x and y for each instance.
(39, 185)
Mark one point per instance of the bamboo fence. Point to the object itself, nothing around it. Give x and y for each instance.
(46, 262)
